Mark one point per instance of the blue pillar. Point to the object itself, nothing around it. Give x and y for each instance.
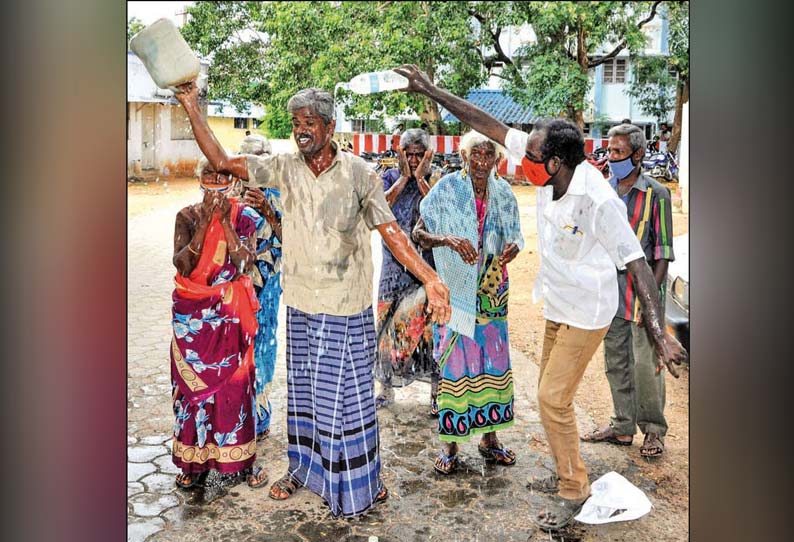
(597, 97)
(663, 46)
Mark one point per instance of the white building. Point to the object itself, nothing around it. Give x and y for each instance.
(159, 137)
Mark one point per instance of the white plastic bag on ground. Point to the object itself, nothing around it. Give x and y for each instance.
(613, 498)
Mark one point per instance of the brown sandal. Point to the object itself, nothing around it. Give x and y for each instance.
(606, 434)
(258, 478)
(652, 446)
(286, 484)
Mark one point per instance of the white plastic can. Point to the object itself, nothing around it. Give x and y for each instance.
(165, 54)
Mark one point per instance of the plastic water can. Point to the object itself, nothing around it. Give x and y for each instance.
(165, 54)
(370, 83)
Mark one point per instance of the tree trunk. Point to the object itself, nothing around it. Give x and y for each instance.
(681, 97)
(432, 117)
(431, 114)
(581, 59)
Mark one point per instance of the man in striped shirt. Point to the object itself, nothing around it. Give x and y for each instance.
(638, 392)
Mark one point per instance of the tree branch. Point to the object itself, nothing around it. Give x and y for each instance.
(509, 65)
(622, 44)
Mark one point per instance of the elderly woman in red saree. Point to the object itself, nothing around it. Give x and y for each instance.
(214, 321)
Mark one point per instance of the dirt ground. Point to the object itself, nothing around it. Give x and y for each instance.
(671, 474)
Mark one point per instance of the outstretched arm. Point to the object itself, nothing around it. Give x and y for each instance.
(437, 292)
(209, 145)
(668, 349)
(465, 111)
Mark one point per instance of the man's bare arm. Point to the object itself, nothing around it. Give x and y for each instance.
(206, 140)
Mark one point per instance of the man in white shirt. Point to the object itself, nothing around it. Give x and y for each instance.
(583, 236)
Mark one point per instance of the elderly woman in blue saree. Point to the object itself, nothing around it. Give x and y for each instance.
(470, 220)
(267, 285)
(405, 333)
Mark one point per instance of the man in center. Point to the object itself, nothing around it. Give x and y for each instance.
(331, 201)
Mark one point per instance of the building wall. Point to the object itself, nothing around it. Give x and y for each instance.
(178, 157)
(229, 136)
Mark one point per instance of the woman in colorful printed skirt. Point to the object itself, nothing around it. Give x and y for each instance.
(470, 220)
(267, 285)
(405, 334)
(212, 356)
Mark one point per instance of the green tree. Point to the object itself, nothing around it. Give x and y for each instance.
(652, 86)
(678, 40)
(134, 25)
(265, 52)
(551, 74)
(660, 84)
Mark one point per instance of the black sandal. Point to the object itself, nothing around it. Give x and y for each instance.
(287, 484)
(434, 407)
(382, 495)
(558, 516)
(498, 454)
(606, 434)
(448, 463)
(192, 479)
(652, 446)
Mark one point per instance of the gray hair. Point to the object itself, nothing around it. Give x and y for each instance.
(414, 136)
(473, 138)
(202, 165)
(316, 99)
(255, 144)
(634, 133)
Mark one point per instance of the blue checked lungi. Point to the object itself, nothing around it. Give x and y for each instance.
(332, 427)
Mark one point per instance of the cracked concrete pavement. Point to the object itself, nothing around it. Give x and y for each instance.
(480, 502)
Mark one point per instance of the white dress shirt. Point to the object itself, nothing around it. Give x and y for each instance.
(582, 238)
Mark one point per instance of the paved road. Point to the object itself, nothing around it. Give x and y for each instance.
(478, 503)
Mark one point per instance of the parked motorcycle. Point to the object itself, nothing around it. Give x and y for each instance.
(599, 158)
(661, 165)
(380, 162)
(451, 162)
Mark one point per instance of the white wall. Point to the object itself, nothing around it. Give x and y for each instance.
(134, 140)
(170, 155)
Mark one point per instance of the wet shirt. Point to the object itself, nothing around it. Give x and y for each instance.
(650, 215)
(582, 238)
(326, 256)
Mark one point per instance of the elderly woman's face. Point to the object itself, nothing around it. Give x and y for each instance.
(482, 160)
(414, 154)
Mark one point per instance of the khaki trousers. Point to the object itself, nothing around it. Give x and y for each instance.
(566, 352)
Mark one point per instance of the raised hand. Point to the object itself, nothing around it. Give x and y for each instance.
(418, 81)
(187, 92)
(208, 205)
(224, 208)
(256, 200)
(423, 169)
(463, 247)
(402, 162)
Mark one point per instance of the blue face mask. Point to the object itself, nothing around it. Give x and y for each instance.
(621, 168)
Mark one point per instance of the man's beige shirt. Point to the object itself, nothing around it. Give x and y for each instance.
(326, 223)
